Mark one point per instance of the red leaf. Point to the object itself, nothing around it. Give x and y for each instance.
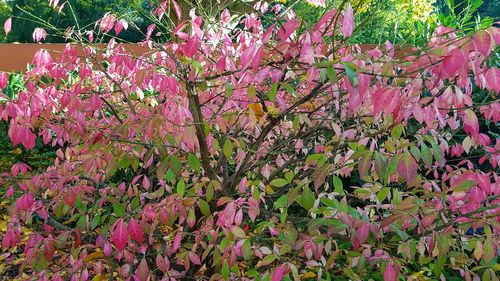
(453, 62)
(348, 22)
(280, 272)
(391, 272)
(7, 26)
(191, 46)
(407, 167)
(135, 231)
(120, 235)
(482, 42)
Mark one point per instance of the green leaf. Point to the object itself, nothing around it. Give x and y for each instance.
(210, 192)
(331, 73)
(280, 203)
(438, 265)
(338, 186)
(246, 250)
(229, 90)
(307, 198)
(279, 182)
(204, 207)
(81, 223)
(175, 165)
(351, 73)
(382, 194)
(319, 158)
(393, 165)
(397, 131)
(181, 187)
(381, 167)
(194, 162)
(426, 154)
(415, 152)
(135, 203)
(267, 260)
(464, 185)
(288, 88)
(332, 203)
(228, 148)
(225, 270)
(119, 210)
(95, 221)
(273, 91)
(79, 205)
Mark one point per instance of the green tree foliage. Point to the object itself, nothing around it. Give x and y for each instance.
(86, 12)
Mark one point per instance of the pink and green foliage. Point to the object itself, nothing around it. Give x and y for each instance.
(259, 153)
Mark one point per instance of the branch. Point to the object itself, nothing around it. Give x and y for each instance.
(195, 108)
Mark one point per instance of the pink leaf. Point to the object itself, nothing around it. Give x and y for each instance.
(120, 25)
(407, 168)
(482, 42)
(247, 56)
(391, 272)
(162, 263)
(4, 79)
(288, 28)
(307, 54)
(177, 242)
(348, 22)
(194, 258)
(25, 202)
(120, 235)
(191, 46)
(280, 272)
(39, 34)
(7, 26)
(107, 22)
(471, 124)
(362, 232)
(143, 272)
(453, 62)
(493, 79)
(177, 9)
(135, 231)
(316, 3)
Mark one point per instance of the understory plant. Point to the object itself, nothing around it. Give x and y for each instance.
(238, 152)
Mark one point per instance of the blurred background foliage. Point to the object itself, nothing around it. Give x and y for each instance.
(399, 21)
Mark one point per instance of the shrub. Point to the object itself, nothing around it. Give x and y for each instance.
(252, 153)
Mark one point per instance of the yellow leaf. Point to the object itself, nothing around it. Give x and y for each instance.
(269, 189)
(308, 275)
(257, 109)
(93, 256)
(101, 277)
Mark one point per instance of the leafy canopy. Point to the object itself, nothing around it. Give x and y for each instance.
(243, 152)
